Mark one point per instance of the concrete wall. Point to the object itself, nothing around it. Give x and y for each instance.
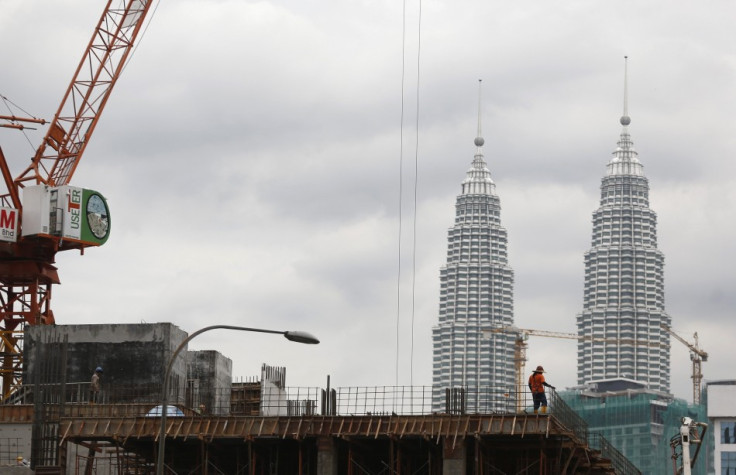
(15, 440)
(131, 355)
(211, 373)
(722, 416)
(15, 471)
(273, 391)
(721, 396)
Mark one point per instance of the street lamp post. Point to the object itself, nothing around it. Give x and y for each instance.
(297, 336)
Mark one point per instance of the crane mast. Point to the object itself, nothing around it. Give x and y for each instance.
(33, 222)
(697, 355)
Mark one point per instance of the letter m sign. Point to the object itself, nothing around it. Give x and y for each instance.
(8, 224)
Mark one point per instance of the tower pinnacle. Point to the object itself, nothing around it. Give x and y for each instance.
(625, 160)
(625, 119)
(479, 138)
(478, 179)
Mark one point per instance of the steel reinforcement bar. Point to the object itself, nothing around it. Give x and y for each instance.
(433, 426)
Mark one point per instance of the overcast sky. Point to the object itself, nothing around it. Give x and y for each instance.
(252, 157)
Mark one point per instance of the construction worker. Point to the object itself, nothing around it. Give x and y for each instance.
(94, 385)
(536, 386)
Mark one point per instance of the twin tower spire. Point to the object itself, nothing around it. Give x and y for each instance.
(625, 159)
(479, 179)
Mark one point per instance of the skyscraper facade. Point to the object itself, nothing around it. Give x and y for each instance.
(620, 327)
(476, 293)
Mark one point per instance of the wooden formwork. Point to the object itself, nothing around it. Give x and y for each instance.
(483, 443)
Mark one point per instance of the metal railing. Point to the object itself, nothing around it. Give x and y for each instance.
(569, 418)
(295, 401)
(620, 463)
(418, 400)
(577, 425)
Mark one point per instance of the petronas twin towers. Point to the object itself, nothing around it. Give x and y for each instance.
(476, 293)
(620, 332)
(620, 328)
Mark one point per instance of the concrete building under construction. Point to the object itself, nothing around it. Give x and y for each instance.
(262, 426)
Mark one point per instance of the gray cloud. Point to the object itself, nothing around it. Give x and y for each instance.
(251, 153)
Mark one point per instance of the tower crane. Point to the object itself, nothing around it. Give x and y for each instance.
(521, 335)
(520, 346)
(697, 355)
(40, 213)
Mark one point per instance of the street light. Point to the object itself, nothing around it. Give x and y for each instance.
(297, 336)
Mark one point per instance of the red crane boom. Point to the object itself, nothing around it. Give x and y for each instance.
(87, 94)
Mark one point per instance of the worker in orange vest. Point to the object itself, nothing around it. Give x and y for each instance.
(536, 386)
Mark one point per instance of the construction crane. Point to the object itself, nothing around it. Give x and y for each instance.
(521, 335)
(40, 213)
(697, 355)
(520, 346)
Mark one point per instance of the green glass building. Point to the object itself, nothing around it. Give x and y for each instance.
(639, 422)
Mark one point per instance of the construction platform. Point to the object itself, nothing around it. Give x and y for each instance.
(437, 444)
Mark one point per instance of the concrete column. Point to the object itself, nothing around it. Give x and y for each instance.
(453, 458)
(326, 456)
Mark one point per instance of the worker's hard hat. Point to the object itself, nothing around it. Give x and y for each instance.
(20, 457)
(98, 369)
(539, 369)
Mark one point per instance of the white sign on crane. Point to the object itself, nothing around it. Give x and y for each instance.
(8, 224)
